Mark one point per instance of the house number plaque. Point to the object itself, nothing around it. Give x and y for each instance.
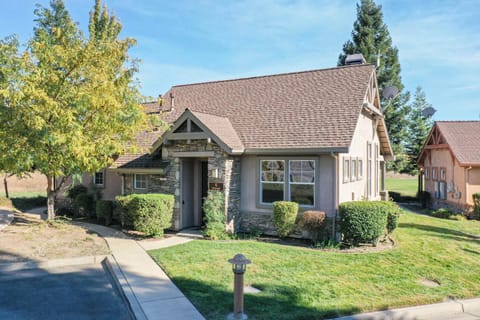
(216, 186)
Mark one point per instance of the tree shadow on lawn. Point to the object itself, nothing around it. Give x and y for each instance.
(276, 302)
(443, 232)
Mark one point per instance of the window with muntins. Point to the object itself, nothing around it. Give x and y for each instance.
(302, 182)
(140, 181)
(346, 169)
(272, 180)
(98, 178)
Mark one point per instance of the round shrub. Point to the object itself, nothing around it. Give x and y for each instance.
(104, 210)
(85, 205)
(121, 205)
(151, 213)
(214, 208)
(362, 221)
(314, 222)
(74, 191)
(284, 216)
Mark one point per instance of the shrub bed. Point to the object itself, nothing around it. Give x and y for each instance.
(476, 205)
(366, 221)
(85, 205)
(121, 205)
(214, 208)
(284, 216)
(151, 213)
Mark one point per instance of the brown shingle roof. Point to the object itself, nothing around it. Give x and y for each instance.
(463, 137)
(311, 109)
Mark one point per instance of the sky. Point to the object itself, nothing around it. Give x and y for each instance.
(188, 41)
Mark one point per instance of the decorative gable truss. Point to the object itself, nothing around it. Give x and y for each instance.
(371, 104)
(202, 126)
(435, 140)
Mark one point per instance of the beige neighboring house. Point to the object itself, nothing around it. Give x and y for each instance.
(450, 163)
(314, 137)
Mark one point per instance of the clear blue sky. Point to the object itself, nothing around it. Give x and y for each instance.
(202, 40)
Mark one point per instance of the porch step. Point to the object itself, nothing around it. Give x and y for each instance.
(194, 233)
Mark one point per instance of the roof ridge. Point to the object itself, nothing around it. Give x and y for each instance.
(270, 75)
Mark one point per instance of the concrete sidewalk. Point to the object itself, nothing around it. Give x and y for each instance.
(451, 310)
(151, 293)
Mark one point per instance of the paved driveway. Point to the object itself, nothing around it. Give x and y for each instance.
(78, 292)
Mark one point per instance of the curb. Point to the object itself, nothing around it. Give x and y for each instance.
(431, 311)
(123, 288)
(18, 266)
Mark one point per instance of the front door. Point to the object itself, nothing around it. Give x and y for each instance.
(194, 187)
(187, 196)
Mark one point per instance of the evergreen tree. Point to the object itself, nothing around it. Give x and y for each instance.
(370, 37)
(418, 129)
(72, 105)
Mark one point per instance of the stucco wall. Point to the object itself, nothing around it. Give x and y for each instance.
(473, 183)
(356, 189)
(255, 214)
(455, 178)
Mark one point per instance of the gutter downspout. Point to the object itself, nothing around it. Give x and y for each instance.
(467, 180)
(336, 190)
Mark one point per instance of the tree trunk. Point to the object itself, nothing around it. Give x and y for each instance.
(51, 193)
(5, 184)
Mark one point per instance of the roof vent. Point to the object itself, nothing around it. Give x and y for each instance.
(356, 58)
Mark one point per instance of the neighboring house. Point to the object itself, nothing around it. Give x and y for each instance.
(315, 137)
(450, 163)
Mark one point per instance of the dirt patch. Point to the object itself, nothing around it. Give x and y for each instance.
(429, 283)
(29, 238)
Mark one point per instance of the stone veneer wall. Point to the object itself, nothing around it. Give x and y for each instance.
(228, 168)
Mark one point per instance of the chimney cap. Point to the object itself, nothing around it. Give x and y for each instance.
(353, 59)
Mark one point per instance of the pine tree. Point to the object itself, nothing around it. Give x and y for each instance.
(418, 129)
(370, 37)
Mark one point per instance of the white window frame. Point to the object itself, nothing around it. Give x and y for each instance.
(95, 178)
(353, 169)
(260, 193)
(360, 169)
(301, 183)
(286, 181)
(427, 173)
(346, 169)
(443, 174)
(435, 173)
(136, 180)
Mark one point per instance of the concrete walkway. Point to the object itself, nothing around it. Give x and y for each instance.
(151, 293)
(451, 310)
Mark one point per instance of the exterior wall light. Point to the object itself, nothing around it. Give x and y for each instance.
(239, 266)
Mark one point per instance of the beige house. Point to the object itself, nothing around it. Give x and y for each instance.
(450, 163)
(315, 137)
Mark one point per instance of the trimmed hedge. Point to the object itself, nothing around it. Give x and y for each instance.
(104, 210)
(126, 219)
(214, 208)
(366, 221)
(314, 222)
(85, 205)
(284, 216)
(151, 213)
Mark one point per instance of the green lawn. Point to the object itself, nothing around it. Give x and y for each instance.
(403, 186)
(302, 283)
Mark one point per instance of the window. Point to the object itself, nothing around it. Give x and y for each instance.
(360, 169)
(434, 174)
(140, 181)
(292, 180)
(98, 178)
(354, 170)
(443, 174)
(427, 173)
(302, 181)
(272, 180)
(346, 169)
(442, 192)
